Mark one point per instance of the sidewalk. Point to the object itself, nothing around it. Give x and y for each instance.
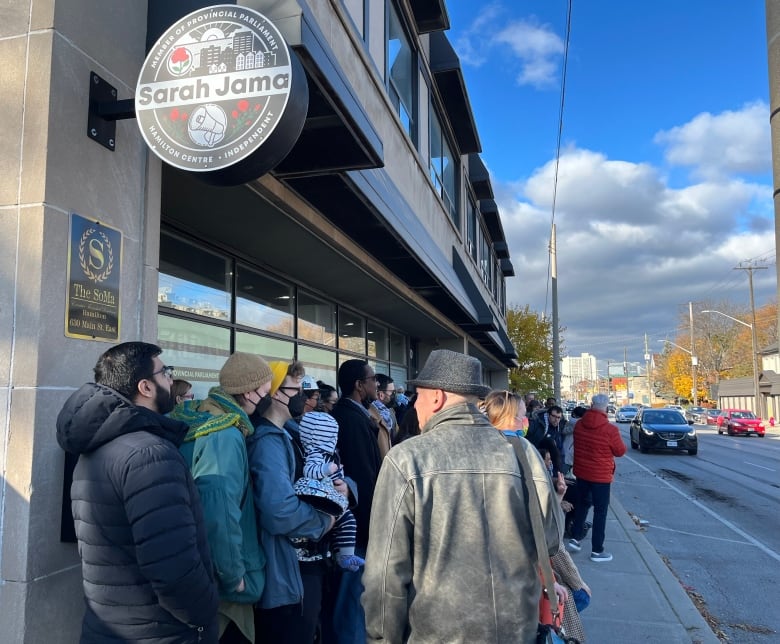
(636, 598)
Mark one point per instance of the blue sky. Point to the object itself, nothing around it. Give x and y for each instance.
(664, 183)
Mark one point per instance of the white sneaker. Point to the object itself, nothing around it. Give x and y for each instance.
(600, 556)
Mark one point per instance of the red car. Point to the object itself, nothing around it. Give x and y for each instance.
(740, 421)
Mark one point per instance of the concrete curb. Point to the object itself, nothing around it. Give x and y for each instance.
(679, 601)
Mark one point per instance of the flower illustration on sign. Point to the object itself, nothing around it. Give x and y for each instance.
(180, 61)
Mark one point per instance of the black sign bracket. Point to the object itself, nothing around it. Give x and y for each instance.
(105, 109)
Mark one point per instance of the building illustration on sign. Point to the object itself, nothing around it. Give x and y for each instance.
(218, 53)
(214, 88)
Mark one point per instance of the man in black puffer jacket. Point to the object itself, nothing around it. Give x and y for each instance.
(145, 560)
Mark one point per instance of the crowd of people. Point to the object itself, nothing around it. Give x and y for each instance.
(276, 510)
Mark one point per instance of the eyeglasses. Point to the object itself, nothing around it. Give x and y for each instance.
(555, 416)
(166, 371)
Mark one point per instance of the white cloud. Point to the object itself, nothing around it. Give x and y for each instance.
(632, 248)
(732, 142)
(535, 48)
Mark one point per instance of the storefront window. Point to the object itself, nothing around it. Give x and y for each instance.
(265, 307)
(319, 363)
(397, 348)
(316, 319)
(352, 332)
(197, 350)
(377, 340)
(268, 348)
(193, 280)
(263, 302)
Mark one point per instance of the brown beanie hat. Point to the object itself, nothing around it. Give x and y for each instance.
(244, 372)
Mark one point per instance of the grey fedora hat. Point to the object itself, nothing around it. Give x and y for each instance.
(452, 371)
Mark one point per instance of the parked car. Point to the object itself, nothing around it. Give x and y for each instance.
(740, 421)
(711, 416)
(677, 407)
(625, 414)
(696, 414)
(665, 429)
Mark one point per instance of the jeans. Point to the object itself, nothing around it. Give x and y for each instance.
(599, 494)
(349, 621)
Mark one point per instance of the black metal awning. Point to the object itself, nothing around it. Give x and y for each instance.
(429, 15)
(445, 66)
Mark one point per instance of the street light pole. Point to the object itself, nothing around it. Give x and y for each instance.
(756, 390)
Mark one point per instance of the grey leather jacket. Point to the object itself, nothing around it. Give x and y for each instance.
(451, 555)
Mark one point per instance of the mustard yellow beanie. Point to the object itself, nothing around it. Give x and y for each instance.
(279, 371)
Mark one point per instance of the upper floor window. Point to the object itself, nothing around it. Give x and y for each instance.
(442, 167)
(485, 258)
(401, 72)
(471, 228)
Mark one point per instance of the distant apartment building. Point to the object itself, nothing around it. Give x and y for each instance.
(575, 372)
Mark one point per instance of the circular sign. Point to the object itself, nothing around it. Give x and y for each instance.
(221, 94)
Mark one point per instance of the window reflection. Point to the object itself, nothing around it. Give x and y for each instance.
(400, 61)
(352, 332)
(316, 319)
(319, 363)
(197, 350)
(268, 348)
(193, 280)
(398, 348)
(377, 340)
(263, 302)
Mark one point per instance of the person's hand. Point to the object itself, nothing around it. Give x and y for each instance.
(561, 592)
(566, 507)
(341, 487)
(332, 468)
(241, 586)
(560, 485)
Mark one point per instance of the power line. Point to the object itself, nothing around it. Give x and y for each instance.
(558, 143)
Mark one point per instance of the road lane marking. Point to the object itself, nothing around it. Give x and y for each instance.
(766, 549)
(761, 466)
(700, 536)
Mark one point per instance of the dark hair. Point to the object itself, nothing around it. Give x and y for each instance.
(179, 388)
(532, 405)
(122, 367)
(382, 381)
(408, 427)
(350, 372)
(578, 412)
(555, 408)
(325, 389)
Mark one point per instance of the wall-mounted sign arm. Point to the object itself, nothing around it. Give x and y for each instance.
(104, 110)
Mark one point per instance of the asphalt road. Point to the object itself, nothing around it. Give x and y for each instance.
(715, 519)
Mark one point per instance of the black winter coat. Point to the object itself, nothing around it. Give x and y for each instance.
(359, 451)
(145, 562)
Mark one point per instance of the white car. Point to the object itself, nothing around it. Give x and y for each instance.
(626, 414)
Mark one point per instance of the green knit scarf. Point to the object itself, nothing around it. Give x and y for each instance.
(203, 423)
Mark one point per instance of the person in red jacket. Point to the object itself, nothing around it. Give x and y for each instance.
(596, 444)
